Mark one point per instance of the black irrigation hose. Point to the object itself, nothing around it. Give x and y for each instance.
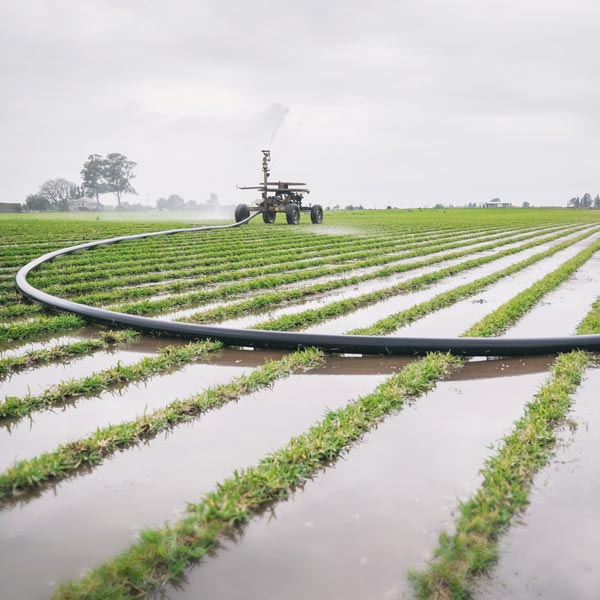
(347, 344)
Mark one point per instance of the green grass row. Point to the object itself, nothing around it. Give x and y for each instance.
(169, 358)
(231, 290)
(70, 458)
(314, 316)
(246, 256)
(400, 319)
(507, 314)
(473, 548)
(249, 264)
(226, 245)
(57, 324)
(162, 555)
(40, 327)
(35, 358)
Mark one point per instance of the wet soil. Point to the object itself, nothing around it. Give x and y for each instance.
(143, 487)
(367, 316)
(565, 307)
(45, 342)
(44, 430)
(553, 549)
(355, 530)
(562, 309)
(35, 381)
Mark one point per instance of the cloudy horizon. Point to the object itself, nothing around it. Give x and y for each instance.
(409, 104)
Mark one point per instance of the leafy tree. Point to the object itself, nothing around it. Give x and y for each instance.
(574, 202)
(118, 173)
(526, 205)
(597, 201)
(93, 175)
(37, 202)
(586, 201)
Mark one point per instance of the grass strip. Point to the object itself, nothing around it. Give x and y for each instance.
(359, 260)
(400, 319)
(253, 262)
(39, 327)
(162, 555)
(35, 358)
(169, 358)
(504, 316)
(591, 322)
(507, 478)
(271, 274)
(335, 309)
(68, 458)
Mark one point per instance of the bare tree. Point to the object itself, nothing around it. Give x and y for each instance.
(58, 192)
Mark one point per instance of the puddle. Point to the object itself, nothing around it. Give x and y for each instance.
(367, 316)
(567, 305)
(37, 380)
(559, 307)
(143, 487)
(45, 342)
(44, 430)
(355, 530)
(552, 550)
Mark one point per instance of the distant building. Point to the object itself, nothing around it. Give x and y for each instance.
(496, 203)
(10, 207)
(83, 204)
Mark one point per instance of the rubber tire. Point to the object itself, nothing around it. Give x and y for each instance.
(292, 214)
(316, 214)
(269, 216)
(241, 212)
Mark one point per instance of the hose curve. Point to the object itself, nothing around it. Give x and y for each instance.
(281, 340)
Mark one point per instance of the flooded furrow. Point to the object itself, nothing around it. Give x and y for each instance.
(566, 305)
(35, 380)
(551, 551)
(143, 487)
(351, 292)
(355, 530)
(44, 430)
(367, 316)
(44, 342)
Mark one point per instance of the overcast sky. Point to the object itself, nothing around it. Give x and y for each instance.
(408, 103)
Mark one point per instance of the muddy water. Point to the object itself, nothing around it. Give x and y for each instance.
(35, 381)
(45, 342)
(44, 430)
(366, 270)
(565, 306)
(360, 288)
(366, 316)
(96, 515)
(552, 551)
(357, 528)
(357, 290)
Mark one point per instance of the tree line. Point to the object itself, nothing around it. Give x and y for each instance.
(585, 201)
(100, 175)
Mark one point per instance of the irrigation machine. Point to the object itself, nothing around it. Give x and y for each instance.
(278, 197)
